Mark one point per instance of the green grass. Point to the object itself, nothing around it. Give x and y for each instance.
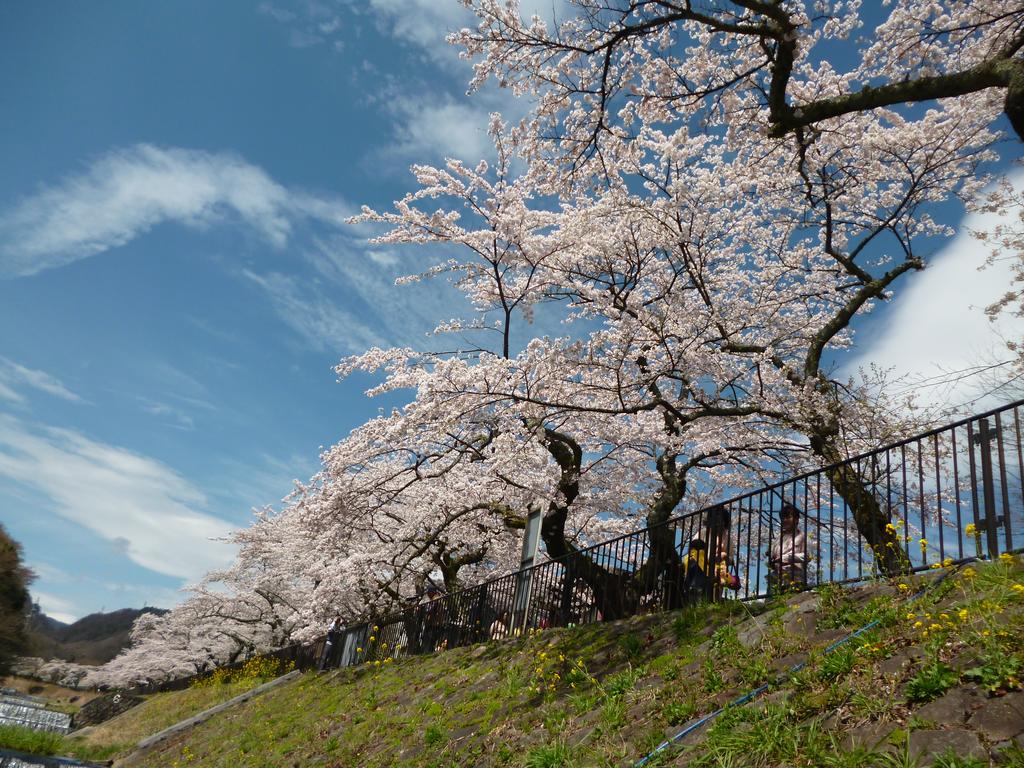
(603, 695)
(23, 739)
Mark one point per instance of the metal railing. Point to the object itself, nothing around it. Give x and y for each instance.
(949, 493)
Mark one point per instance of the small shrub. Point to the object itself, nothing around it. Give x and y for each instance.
(686, 625)
(554, 755)
(931, 681)
(997, 672)
(678, 712)
(433, 735)
(838, 663)
(622, 682)
(257, 668)
(725, 642)
(754, 670)
(613, 714)
(713, 681)
(631, 646)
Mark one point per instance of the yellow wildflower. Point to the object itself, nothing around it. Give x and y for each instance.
(918, 624)
(903, 587)
(934, 627)
(1018, 588)
(890, 528)
(962, 614)
(1006, 557)
(971, 530)
(911, 616)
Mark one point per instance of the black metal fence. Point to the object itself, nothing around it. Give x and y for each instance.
(946, 494)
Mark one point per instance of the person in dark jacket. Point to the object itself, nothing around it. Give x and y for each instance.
(696, 584)
(334, 633)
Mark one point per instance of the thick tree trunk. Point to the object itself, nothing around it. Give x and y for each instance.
(617, 593)
(872, 520)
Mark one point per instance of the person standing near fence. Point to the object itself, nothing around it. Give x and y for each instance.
(499, 627)
(334, 633)
(433, 619)
(787, 555)
(721, 569)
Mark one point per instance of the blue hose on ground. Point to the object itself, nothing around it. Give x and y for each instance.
(750, 695)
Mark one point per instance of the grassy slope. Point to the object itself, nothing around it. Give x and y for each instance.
(605, 695)
(120, 735)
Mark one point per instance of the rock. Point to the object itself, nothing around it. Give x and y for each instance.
(826, 636)
(653, 681)
(786, 663)
(801, 623)
(1015, 699)
(868, 736)
(1014, 744)
(578, 737)
(637, 712)
(101, 709)
(753, 631)
(773, 699)
(925, 746)
(998, 720)
(949, 709)
(898, 662)
(803, 601)
(693, 737)
(462, 733)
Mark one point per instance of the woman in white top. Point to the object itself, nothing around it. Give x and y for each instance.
(787, 555)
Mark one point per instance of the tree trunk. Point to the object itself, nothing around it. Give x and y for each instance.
(617, 593)
(872, 521)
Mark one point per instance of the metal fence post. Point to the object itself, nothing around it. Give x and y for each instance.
(531, 542)
(991, 520)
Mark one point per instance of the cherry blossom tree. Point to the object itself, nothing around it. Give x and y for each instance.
(635, 95)
(706, 196)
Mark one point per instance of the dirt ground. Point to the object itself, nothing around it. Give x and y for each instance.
(64, 698)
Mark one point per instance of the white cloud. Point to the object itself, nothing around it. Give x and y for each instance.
(425, 23)
(383, 258)
(56, 607)
(13, 375)
(937, 325)
(429, 130)
(133, 501)
(127, 192)
(318, 319)
(267, 480)
(174, 416)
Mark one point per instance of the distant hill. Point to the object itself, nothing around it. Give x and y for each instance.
(93, 639)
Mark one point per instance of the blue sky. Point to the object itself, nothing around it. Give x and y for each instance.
(176, 281)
